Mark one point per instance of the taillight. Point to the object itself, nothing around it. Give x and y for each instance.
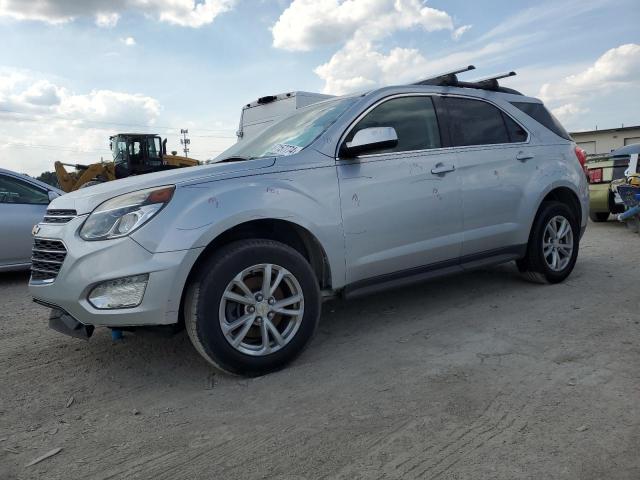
(581, 155)
(595, 175)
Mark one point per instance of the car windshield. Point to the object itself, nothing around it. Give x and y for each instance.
(291, 134)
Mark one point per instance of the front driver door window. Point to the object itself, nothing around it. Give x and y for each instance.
(397, 214)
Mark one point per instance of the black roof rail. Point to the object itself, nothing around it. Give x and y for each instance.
(445, 79)
(450, 79)
(491, 83)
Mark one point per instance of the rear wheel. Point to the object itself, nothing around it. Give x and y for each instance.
(253, 307)
(599, 216)
(553, 245)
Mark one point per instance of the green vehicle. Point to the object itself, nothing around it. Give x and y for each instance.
(601, 171)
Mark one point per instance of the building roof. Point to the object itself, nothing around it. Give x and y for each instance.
(607, 130)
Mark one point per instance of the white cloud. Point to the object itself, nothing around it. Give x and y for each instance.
(543, 15)
(22, 93)
(359, 26)
(361, 65)
(308, 24)
(185, 13)
(129, 41)
(188, 13)
(107, 20)
(605, 87)
(41, 121)
(568, 112)
(458, 32)
(617, 67)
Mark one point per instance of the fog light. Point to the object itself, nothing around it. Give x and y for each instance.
(124, 292)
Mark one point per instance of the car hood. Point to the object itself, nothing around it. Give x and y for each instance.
(86, 199)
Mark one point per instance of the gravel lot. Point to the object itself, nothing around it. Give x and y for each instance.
(477, 376)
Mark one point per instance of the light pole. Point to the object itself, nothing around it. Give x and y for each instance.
(185, 141)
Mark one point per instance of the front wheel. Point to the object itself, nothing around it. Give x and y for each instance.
(553, 245)
(253, 307)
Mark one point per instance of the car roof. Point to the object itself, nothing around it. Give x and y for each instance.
(29, 179)
(626, 150)
(450, 90)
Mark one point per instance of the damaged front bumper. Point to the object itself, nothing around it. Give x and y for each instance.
(62, 322)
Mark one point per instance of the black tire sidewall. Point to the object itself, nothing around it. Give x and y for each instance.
(535, 250)
(599, 216)
(231, 260)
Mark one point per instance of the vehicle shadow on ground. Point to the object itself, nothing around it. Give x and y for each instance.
(145, 358)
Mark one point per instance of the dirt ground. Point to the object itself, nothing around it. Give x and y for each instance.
(479, 376)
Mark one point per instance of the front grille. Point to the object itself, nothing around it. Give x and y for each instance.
(46, 259)
(59, 216)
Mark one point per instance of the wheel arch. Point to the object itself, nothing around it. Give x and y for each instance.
(567, 196)
(560, 193)
(284, 231)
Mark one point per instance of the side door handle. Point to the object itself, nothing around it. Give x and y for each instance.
(441, 168)
(523, 156)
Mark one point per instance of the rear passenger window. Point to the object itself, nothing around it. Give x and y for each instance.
(474, 122)
(414, 119)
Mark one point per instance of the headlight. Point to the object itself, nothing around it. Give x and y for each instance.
(120, 216)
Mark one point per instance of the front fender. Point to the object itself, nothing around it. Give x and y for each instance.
(200, 213)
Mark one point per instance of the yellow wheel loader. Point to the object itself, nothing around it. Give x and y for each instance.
(133, 154)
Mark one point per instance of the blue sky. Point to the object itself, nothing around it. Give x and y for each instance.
(73, 72)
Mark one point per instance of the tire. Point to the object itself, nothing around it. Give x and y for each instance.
(537, 268)
(599, 216)
(211, 303)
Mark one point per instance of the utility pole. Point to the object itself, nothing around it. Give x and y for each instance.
(185, 141)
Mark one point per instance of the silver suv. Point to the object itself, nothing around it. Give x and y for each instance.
(344, 197)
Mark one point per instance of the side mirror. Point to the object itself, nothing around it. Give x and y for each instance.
(368, 140)
(52, 195)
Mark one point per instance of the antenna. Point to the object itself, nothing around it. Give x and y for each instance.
(445, 79)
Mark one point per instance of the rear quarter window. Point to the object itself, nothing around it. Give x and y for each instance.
(540, 114)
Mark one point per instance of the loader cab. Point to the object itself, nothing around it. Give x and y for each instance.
(137, 154)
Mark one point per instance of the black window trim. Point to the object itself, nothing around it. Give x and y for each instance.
(446, 139)
(484, 145)
(28, 183)
(443, 140)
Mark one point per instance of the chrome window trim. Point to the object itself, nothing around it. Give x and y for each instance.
(405, 153)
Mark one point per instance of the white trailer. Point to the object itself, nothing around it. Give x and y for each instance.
(258, 115)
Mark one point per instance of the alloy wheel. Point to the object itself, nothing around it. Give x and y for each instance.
(557, 243)
(261, 309)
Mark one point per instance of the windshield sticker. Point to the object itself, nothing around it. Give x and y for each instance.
(284, 149)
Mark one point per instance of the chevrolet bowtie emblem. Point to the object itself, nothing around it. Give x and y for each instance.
(35, 230)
